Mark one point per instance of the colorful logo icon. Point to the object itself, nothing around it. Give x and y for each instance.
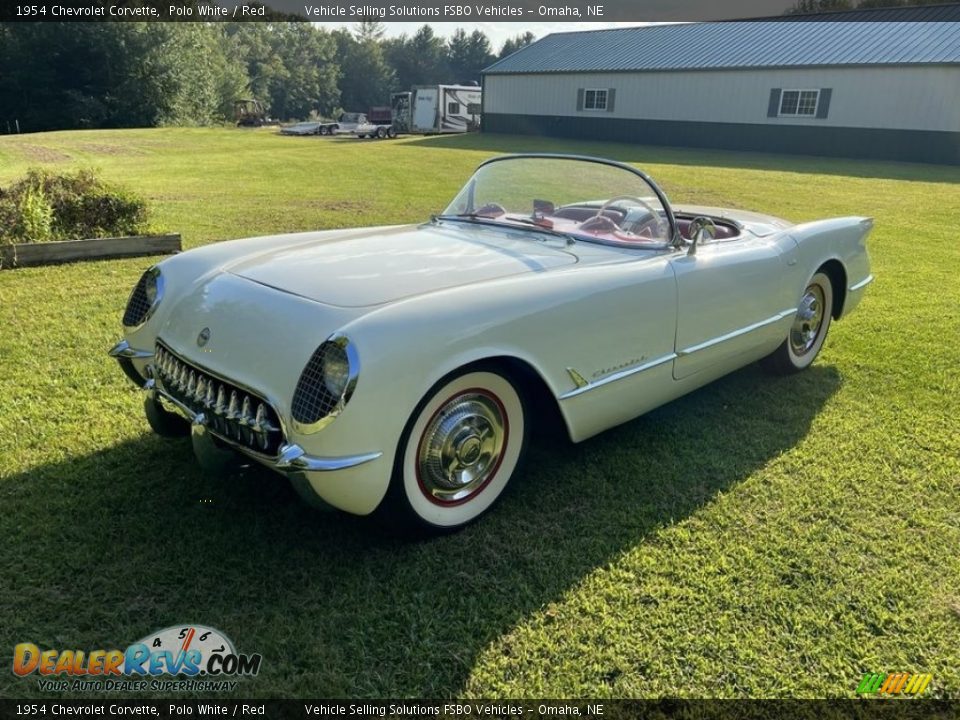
(893, 684)
(188, 650)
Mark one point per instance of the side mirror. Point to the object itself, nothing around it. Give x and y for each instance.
(701, 228)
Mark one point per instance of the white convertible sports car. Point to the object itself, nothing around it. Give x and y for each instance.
(397, 369)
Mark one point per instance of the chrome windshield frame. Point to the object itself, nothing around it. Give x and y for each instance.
(675, 239)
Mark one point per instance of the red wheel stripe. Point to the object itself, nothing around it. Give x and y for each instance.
(496, 468)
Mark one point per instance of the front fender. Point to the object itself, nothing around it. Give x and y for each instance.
(551, 321)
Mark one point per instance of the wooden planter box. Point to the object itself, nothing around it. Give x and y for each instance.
(49, 253)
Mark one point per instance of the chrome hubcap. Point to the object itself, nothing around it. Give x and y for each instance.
(462, 446)
(809, 318)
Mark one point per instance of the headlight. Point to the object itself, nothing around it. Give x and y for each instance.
(336, 370)
(144, 299)
(151, 288)
(325, 385)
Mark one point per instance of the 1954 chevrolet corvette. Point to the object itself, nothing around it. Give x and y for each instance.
(396, 369)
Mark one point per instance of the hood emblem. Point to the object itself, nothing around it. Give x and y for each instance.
(204, 337)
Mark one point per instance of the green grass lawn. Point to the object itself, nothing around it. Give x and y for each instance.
(760, 537)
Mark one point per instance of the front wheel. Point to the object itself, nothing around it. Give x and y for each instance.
(324, 130)
(809, 329)
(163, 422)
(458, 452)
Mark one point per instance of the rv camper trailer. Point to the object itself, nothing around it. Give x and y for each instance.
(445, 108)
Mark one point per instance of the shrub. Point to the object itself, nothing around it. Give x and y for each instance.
(36, 215)
(44, 206)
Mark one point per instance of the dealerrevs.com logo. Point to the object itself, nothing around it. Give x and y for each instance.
(181, 657)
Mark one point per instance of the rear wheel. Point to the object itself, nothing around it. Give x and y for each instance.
(391, 132)
(381, 133)
(458, 452)
(323, 130)
(809, 329)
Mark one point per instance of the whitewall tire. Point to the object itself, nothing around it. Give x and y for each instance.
(809, 328)
(162, 421)
(461, 447)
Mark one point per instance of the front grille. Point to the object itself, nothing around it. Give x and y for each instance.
(311, 399)
(231, 411)
(138, 306)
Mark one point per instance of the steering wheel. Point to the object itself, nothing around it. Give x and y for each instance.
(639, 201)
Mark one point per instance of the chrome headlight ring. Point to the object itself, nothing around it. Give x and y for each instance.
(326, 384)
(146, 296)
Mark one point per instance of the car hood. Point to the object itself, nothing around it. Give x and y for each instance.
(390, 264)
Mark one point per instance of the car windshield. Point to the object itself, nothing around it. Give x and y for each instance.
(582, 199)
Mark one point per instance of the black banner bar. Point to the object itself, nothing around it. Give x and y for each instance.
(428, 11)
(440, 11)
(882, 709)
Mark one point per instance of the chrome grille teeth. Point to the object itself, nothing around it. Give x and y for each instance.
(232, 413)
(220, 406)
(200, 392)
(260, 424)
(233, 410)
(260, 421)
(246, 414)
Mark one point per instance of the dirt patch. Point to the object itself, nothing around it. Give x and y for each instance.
(42, 153)
(102, 149)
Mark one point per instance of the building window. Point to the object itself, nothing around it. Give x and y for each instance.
(799, 103)
(595, 100)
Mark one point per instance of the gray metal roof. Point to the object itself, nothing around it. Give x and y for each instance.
(738, 44)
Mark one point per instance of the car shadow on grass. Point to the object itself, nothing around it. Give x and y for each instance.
(111, 546)
(642, 155)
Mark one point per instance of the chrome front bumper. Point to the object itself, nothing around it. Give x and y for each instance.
(291, 458)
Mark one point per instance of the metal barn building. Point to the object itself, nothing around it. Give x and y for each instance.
(883, 89)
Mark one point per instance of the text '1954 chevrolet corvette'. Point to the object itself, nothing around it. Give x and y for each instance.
(395, 369)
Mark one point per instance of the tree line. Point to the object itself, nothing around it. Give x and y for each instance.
(805, 7)
(128, 74)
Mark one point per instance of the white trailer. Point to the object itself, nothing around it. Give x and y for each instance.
(445, 108)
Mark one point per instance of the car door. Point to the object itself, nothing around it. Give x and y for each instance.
(731, 301)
